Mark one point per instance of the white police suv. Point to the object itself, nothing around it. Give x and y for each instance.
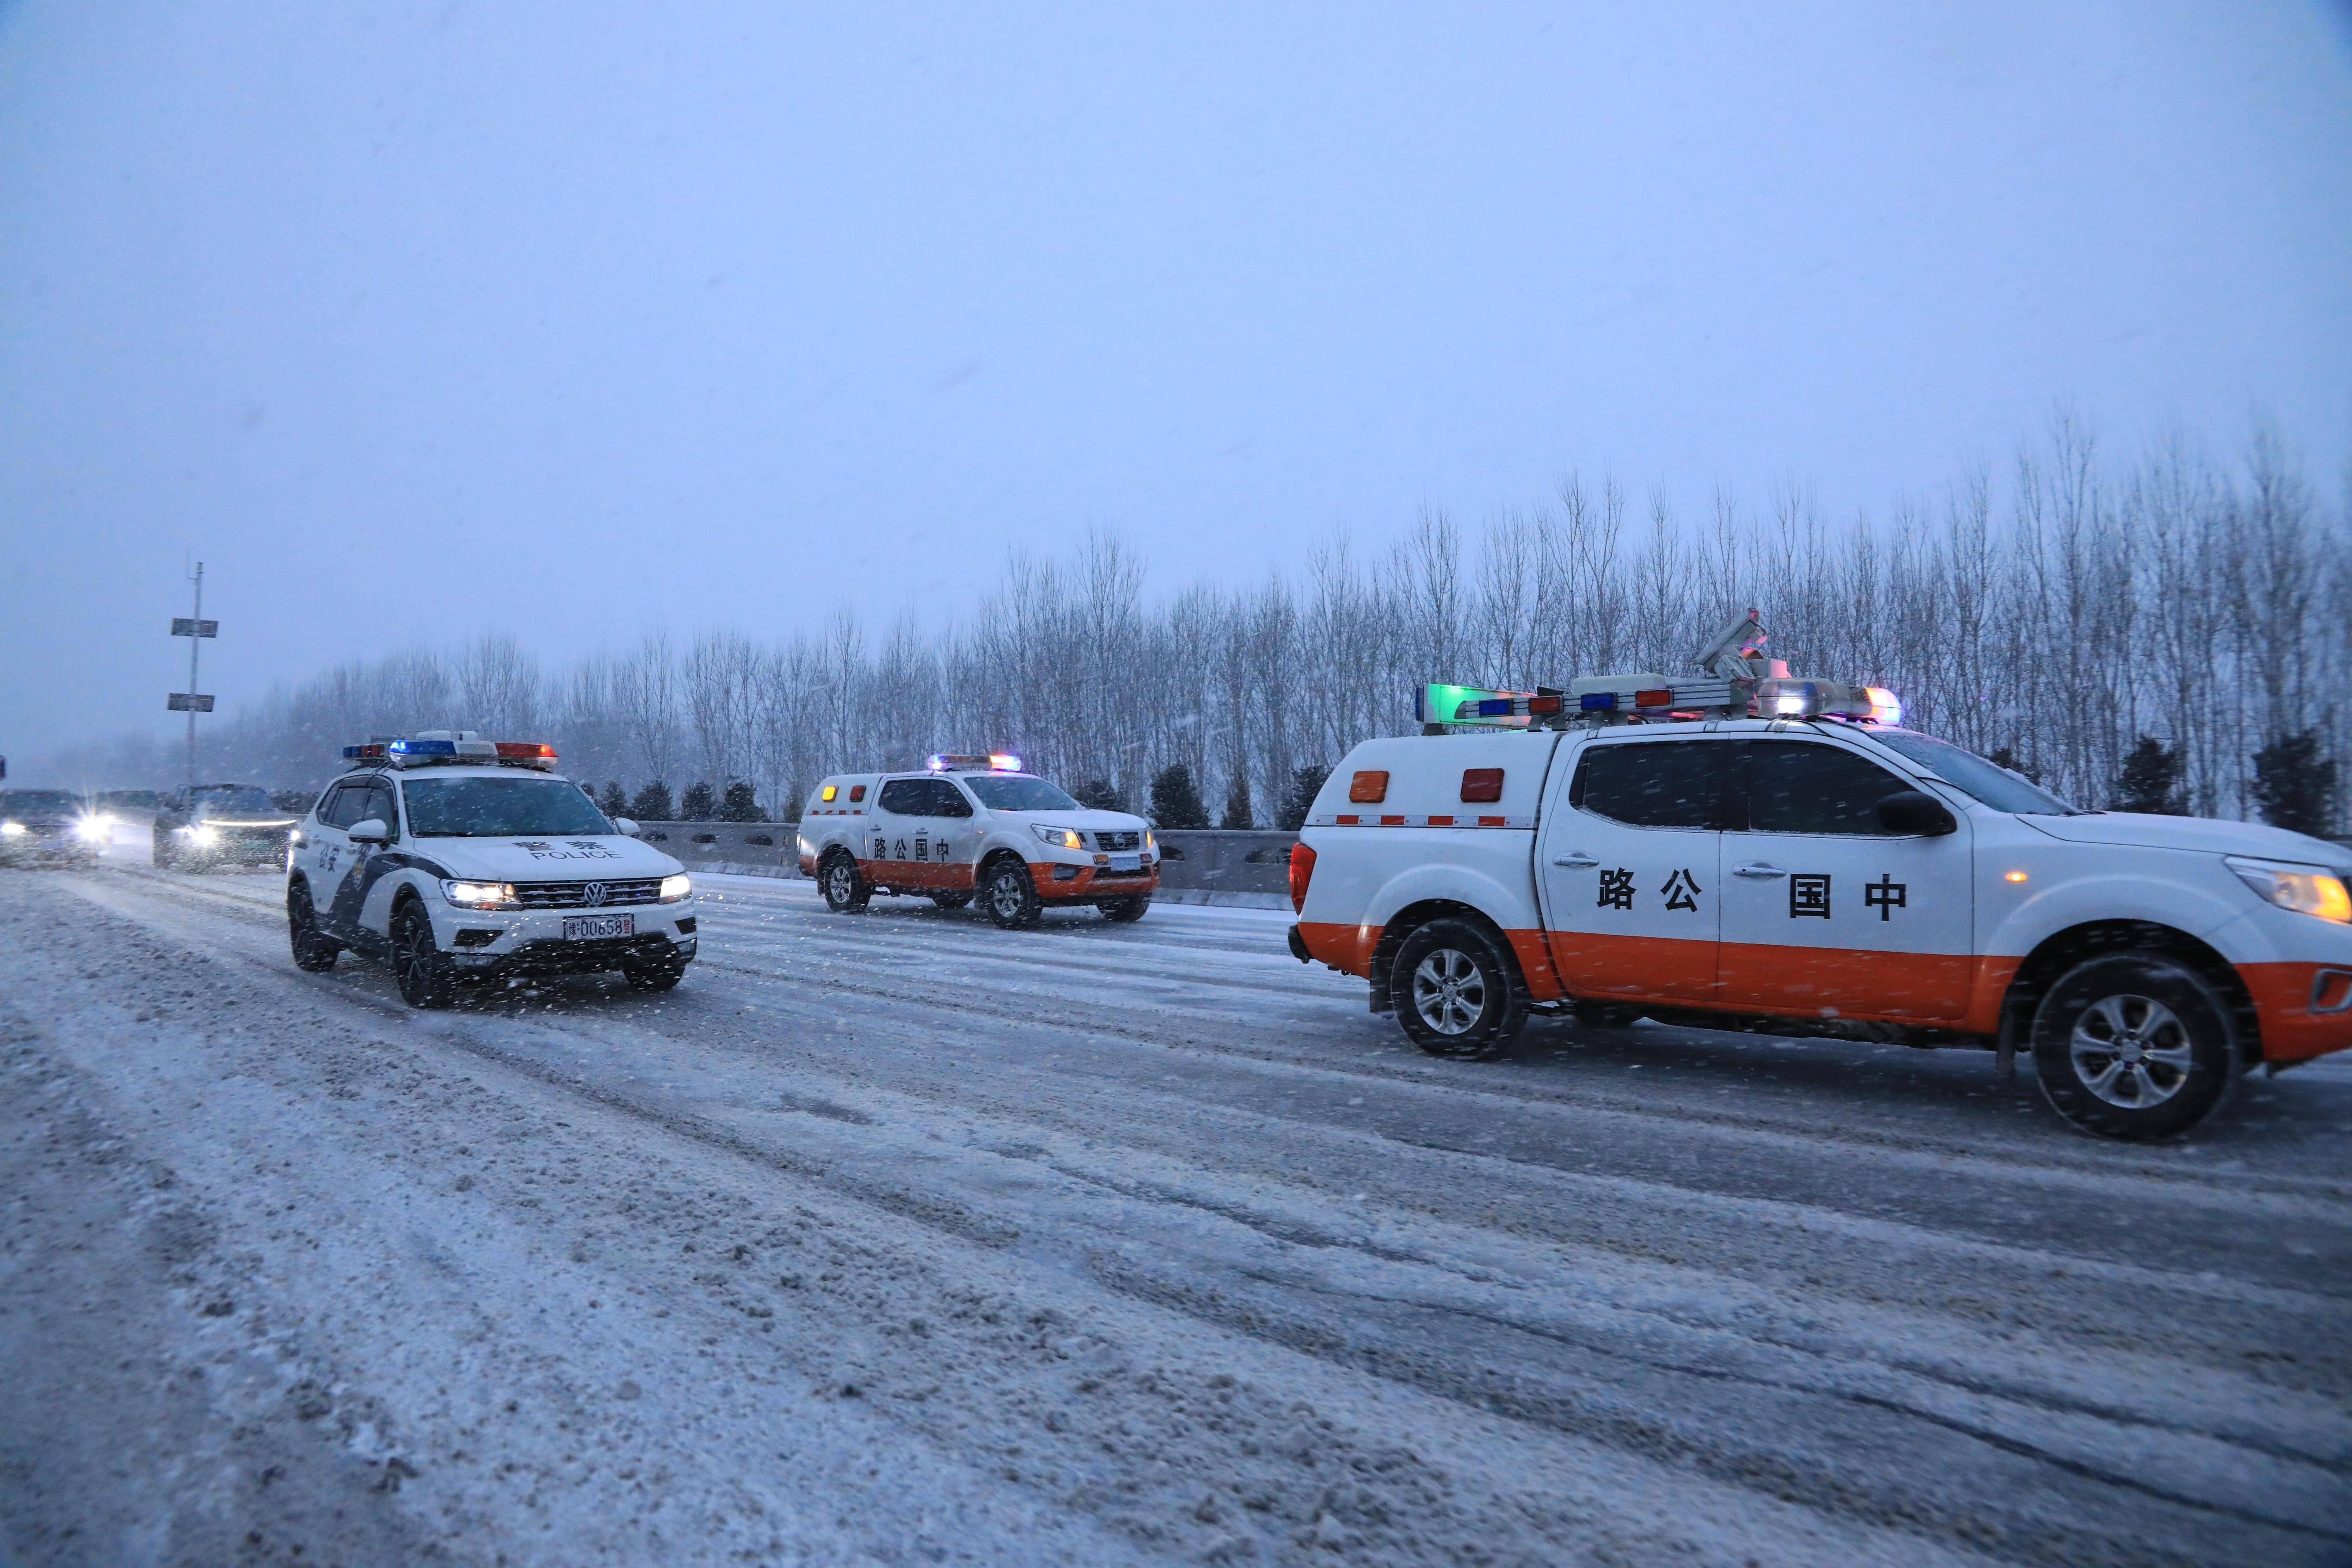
(457, 858)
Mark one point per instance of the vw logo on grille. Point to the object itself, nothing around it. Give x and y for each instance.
(593, 894)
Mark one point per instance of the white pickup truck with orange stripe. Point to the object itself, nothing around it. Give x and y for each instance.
(976, 824)
(1817, 874)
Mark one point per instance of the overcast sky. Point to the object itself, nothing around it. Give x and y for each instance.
(575, 320)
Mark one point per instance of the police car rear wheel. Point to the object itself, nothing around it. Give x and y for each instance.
(1008, 894)
(1456, 994)
(313, 950)
(2134, 1046)
(417, 962)
(951, 900)
(844, 889)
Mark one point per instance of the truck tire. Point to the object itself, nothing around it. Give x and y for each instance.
(1458, 994)
(1009, 893)
(314, 952)
(2134, 1046)
(417, 960)
(846, 890)
(1124, 911)
(167, 853)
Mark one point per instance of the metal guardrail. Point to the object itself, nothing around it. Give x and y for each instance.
(1194, 861)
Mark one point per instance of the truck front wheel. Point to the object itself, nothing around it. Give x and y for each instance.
(1457, 992)
(2134, 1046)
(1009, 893)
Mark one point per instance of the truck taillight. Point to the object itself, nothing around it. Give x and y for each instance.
(1302, 871)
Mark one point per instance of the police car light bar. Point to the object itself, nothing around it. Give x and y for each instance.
(452, 747)
(1782, 698)
(957, 762)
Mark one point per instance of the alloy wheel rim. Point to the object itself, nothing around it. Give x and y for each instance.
(2132, 1052)
(411, 954)
(1448, 992)
(840, 884)
(1004, 896)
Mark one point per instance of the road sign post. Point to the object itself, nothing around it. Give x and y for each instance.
(196, 629)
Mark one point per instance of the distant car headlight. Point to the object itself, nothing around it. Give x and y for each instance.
(206, 836)
(2307, 893)
(673, 888)
(479, 895)
(13, 830)
(1059, 837)
(94, 829)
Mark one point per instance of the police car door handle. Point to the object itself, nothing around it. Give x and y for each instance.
(1757, 870)
(1575, 860)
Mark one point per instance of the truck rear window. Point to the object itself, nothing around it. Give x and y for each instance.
(1652, 784)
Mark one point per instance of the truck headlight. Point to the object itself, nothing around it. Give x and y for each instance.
(479, 895)
(13, 830)
(206, 836)
(1059, 837)
(94, 829)
(673, 888)
(2305, 891)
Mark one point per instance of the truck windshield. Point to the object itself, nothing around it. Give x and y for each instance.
(1017, 792)
(498, 808)
(38, 803)
(1989, 781)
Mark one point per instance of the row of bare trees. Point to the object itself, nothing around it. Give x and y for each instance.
(2057, 610)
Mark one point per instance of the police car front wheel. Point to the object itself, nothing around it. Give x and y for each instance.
(2134, 1046)
(1009, 893)
(417, 962)
(1456, 992)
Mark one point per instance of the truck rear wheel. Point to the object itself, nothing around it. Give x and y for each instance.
(1457, 992)
(2134, 1046)
(846, 891)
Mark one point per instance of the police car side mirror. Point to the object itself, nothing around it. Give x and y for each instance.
(372, 831)
(626, 826)
(1915, 815)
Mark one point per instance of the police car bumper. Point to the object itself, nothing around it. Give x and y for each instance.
(540, 942)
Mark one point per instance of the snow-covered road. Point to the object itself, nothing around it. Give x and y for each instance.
(897, 1238)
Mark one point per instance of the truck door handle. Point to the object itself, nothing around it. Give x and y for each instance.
(1575, 860)
(1757, 870)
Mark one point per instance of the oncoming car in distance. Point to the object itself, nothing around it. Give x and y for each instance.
(1758, 852)
(455, 859)
(220, 824)
(51, 827)
(969, 825)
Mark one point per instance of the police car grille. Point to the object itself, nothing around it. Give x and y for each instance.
(574, 895)
(1125, 839)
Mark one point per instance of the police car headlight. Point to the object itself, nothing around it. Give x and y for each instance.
(1059, 837)
(479, 895)
(13, 830)
(2307, 893)
(673, 888)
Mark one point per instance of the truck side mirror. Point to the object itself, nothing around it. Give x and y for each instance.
(372, 831)
(1914, 814)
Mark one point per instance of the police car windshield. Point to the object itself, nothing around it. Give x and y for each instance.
(38, 802)
(1014, 791)
(221, 798)
(498, 808)
(1989, 781)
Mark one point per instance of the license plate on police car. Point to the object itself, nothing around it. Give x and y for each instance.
(1127, 862)
(587, 928)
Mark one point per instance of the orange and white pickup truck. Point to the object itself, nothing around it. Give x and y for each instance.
(1776, 854)
(974, 825)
